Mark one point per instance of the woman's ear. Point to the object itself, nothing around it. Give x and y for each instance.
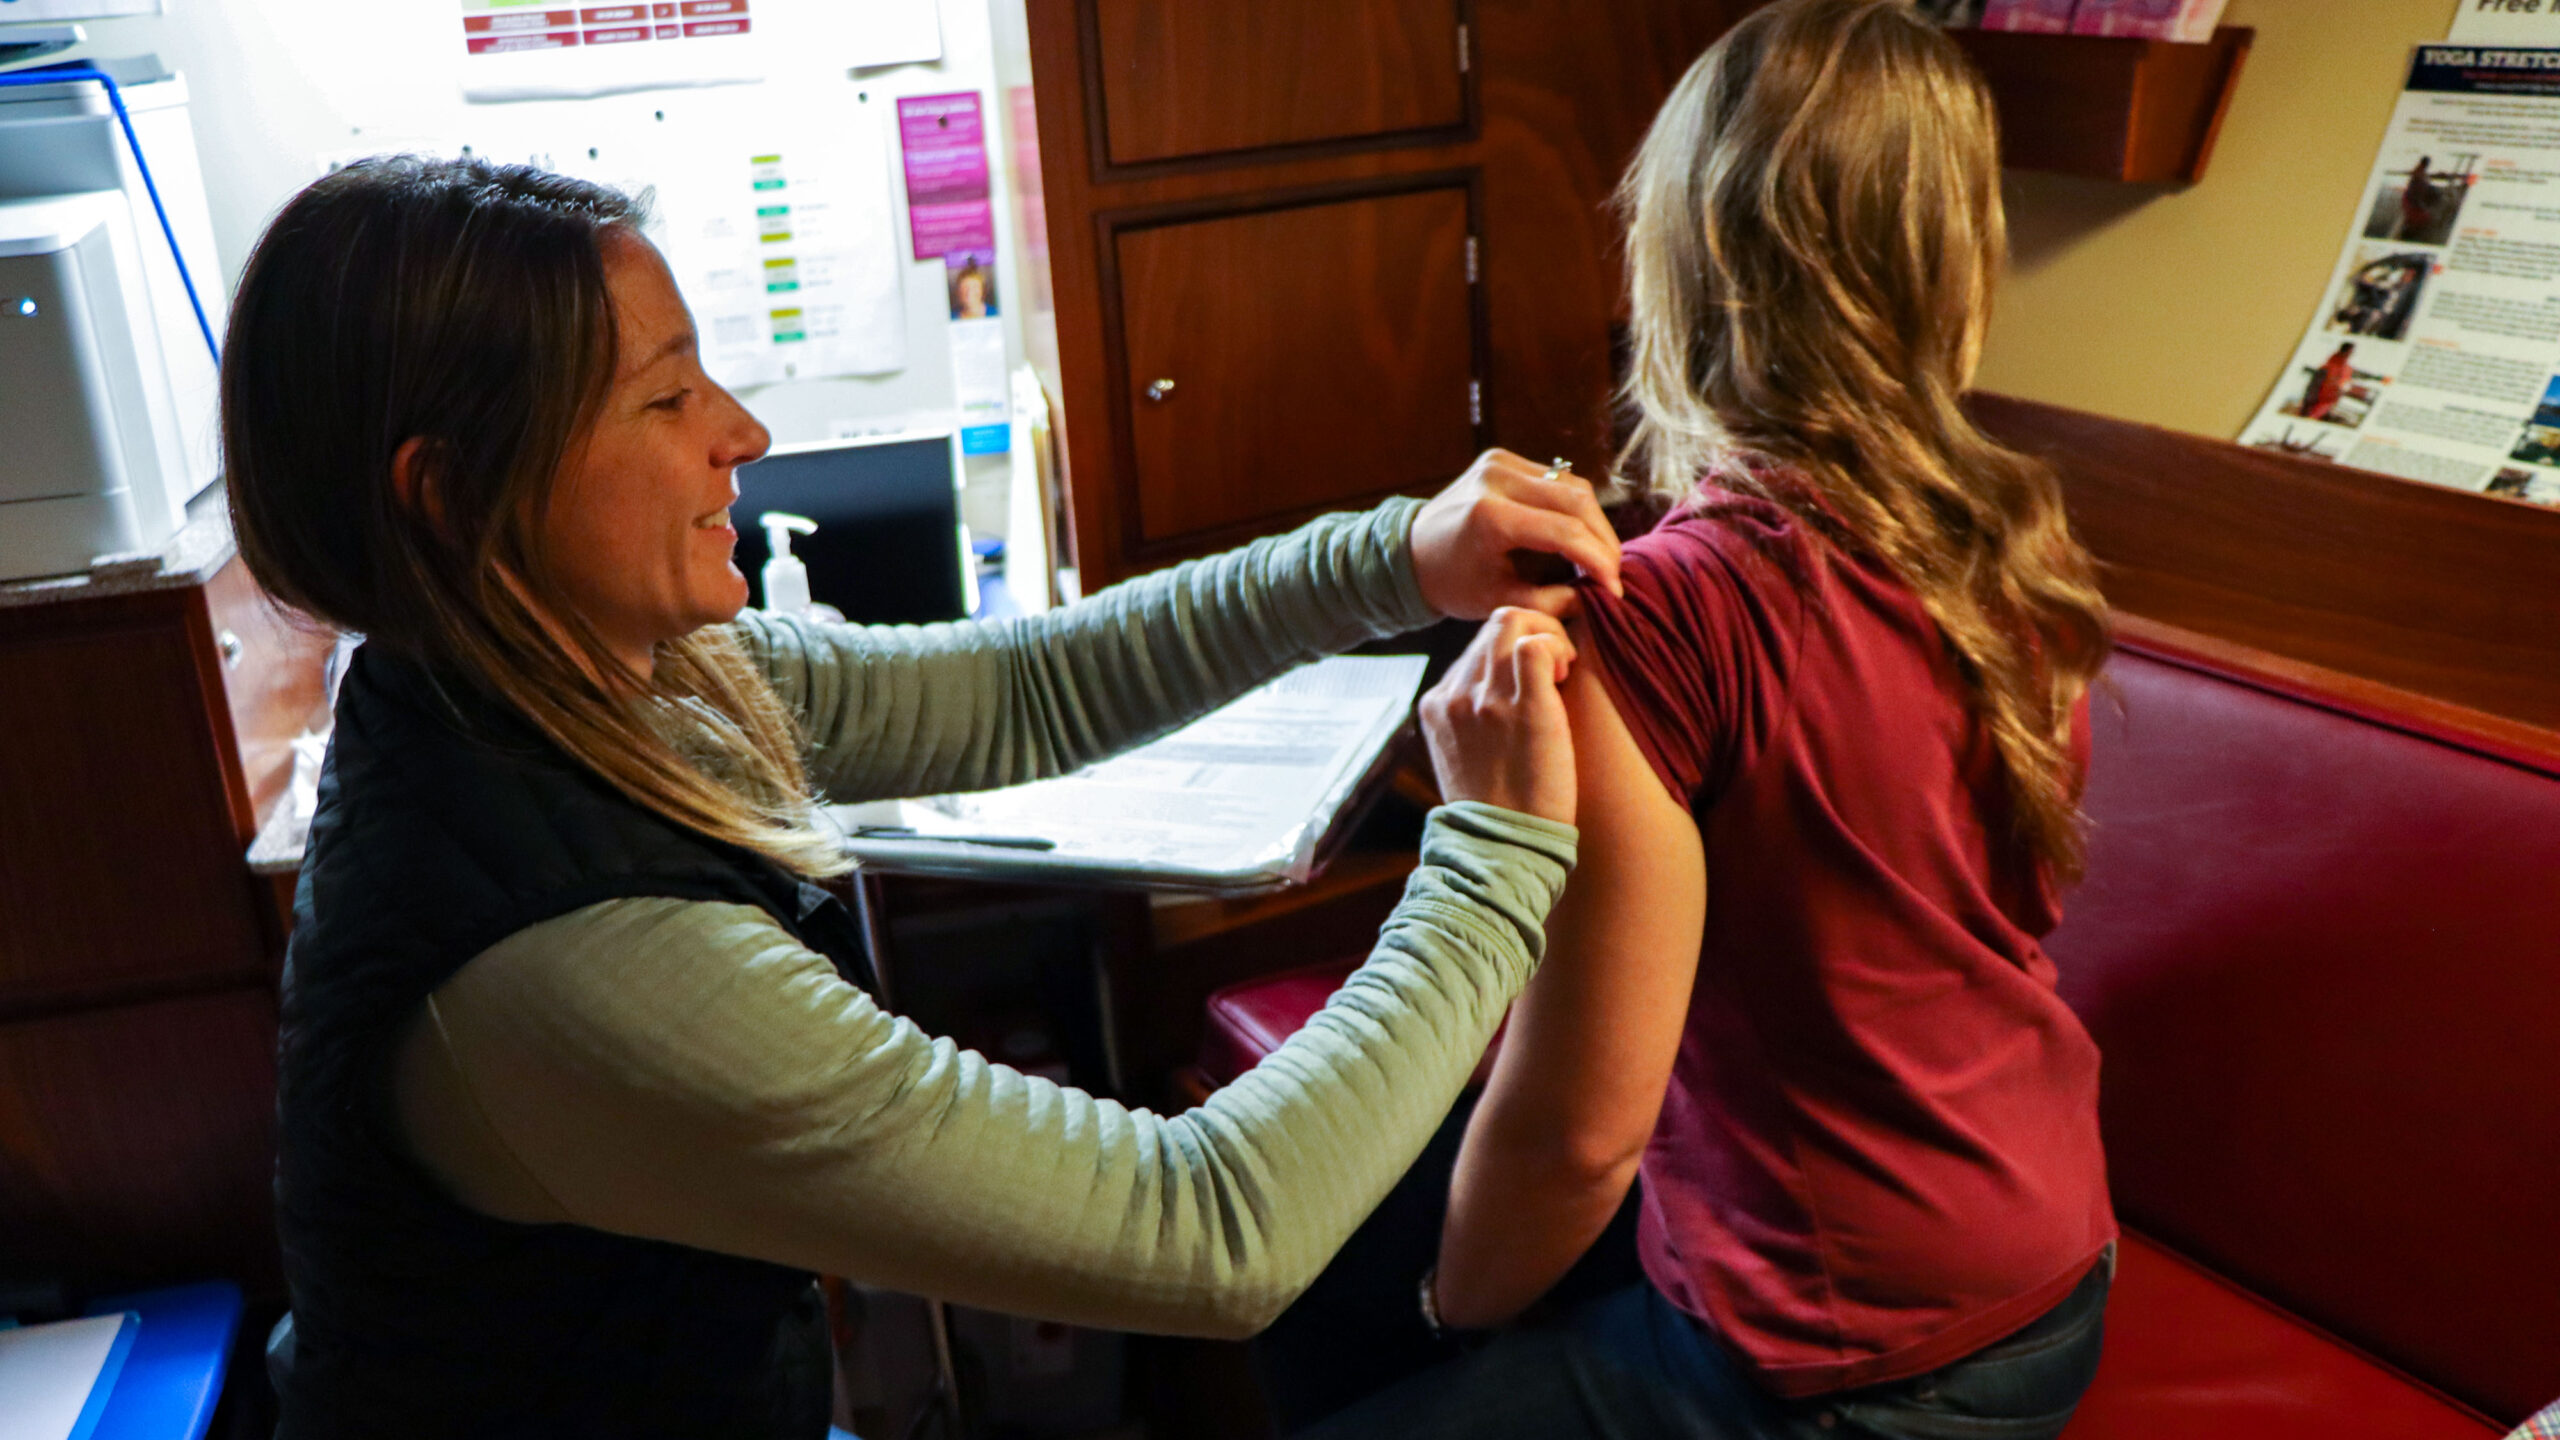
(414, 482)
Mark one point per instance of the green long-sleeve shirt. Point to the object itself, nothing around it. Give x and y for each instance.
(688, 1071)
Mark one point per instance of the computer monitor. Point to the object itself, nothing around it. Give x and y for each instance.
(888, 549)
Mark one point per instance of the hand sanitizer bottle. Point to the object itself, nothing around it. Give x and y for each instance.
(786, 580)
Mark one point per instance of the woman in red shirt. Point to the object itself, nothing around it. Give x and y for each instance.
(1847, 682)
(2329, 381)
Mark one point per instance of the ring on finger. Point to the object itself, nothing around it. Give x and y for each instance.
(1558, 469)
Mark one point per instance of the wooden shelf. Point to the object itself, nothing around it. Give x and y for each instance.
(2144, 111)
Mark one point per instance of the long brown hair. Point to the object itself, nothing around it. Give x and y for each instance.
(464, 304)
(1814, 235)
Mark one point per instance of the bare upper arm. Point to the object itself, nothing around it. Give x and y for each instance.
(1589, 1053)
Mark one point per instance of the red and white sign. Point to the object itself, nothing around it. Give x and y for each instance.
(510, 44)
(498, 27)
(519, 20)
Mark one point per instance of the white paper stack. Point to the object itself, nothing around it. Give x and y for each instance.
(54, 1379)
(1233, 803)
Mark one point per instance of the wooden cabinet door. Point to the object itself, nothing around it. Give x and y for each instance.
(1284, 360)
(1270, 203)
(1183, 78)
(121, 831)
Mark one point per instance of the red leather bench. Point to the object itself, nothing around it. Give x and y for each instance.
(2319, 945)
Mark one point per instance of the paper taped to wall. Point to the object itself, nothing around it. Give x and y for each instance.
(782, 239)
(772, 206)
(2435, 352)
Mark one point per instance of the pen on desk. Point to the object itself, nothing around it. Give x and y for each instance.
(908, 832)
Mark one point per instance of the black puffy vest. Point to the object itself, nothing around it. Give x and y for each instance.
(445, 824)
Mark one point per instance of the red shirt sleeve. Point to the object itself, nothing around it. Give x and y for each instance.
(1696, 655)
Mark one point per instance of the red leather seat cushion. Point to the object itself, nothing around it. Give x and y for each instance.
(1249, 1020)
(2321, 957)
(2189, 1356)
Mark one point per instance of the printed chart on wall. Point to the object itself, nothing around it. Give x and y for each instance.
(771, 203)
(2435, 353)
(782, 240)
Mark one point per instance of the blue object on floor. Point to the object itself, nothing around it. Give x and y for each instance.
(995, 600)
(173, 1375)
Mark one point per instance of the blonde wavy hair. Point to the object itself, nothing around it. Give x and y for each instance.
(1814, 235)
(464, 305)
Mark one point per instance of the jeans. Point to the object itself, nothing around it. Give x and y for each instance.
(1359, 1330)
(1628, 1366)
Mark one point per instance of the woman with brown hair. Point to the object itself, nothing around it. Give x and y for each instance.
(1847, 681)
(577, 1084)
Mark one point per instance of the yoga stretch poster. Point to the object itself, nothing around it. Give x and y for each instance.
(2435, 353)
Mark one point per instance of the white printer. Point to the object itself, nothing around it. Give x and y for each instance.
(107, 388)
(81, 472)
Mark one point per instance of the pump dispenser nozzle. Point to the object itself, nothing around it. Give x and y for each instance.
(786, 580)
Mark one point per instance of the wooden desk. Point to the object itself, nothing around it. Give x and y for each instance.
(147, 723)
(1112, 987)
(1138, 967)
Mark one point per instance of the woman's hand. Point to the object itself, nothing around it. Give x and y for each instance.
(1497, 727)
(1485, 542)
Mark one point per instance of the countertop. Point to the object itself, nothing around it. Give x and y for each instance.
(202, 546)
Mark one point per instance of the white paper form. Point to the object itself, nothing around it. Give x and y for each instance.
(1235, 802)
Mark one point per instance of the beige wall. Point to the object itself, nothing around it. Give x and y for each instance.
(2178, 306)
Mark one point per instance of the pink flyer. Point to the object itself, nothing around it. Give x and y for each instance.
(2050, 17)
(944, 138)
(2188, 20)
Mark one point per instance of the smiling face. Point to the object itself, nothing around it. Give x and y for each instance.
(637, 535)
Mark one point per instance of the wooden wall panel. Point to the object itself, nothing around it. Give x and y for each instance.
(137, 1144)
(2437, 591)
